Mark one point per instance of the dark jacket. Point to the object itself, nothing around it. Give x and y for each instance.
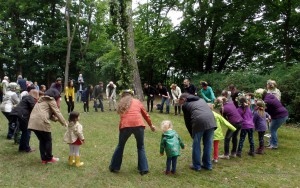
(274, 107)
(191, 89)
(85, 95)
(197, 115)
(22, 83)
(150, 91)
(24, 108)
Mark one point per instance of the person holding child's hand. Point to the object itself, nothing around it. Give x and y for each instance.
(132, 113)
(170, 143)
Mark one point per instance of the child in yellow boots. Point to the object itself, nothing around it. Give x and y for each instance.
(74, 137)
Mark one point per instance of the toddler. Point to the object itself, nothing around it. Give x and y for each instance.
(74, 137)
(260, 118)
(170, 143)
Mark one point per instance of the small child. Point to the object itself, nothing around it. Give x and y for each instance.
(74, 137)
(218, 134)
(85, 97)
(170, 143)
(260, 118)
(247, 126)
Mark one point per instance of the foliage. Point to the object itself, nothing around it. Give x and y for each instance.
(287, 78)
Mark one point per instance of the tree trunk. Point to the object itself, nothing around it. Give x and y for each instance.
(132, 57)
(69, 42)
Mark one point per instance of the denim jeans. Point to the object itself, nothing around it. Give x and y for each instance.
(163, 101)
(124, 134)
(207, 136)
(173, 161)
(243, 135)
(45, 144)
(100, 104)
(275, 124)
(11, 125)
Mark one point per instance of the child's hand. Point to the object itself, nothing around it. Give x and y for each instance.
(161, 154)
(83, 141)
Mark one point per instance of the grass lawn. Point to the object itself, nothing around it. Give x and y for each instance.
(277, 168)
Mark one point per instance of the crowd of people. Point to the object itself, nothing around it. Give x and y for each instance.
(29, 107)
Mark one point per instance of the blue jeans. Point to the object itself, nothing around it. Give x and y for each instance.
(163, 101)
(172, 160)
(275, 124)
(243, 135)
(100, 104)
(124, 134)
(207, 136)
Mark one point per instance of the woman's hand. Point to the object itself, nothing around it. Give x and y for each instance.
(152, 127)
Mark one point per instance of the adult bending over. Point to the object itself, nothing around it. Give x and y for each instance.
(277, 111)
(39, 122)
(201, 123)
(131, 122)
(22, 113)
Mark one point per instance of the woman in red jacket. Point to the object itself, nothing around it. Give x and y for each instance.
(131, 113)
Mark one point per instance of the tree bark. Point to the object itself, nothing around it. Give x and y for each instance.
(132, 57)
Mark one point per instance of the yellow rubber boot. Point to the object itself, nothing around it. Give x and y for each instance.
(77, 161)
(71, 160)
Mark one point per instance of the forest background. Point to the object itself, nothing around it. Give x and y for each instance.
(221, 41)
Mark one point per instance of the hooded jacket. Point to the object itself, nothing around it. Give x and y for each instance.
(218, 134)
(73, 133)
(43, 112)
(171, 143)
(197, 115)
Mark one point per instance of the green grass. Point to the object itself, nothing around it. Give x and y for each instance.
(277, 168)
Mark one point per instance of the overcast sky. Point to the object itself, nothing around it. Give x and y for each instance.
(173, 15)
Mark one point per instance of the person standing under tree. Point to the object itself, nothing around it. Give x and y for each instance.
(70, 95)
(111, 95)
(176, 92)
(189, 87)
(98, 95)
(149, 91)
(58, 86)
(80, 87)
(165, 98)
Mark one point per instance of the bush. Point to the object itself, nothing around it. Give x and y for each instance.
(287, 78)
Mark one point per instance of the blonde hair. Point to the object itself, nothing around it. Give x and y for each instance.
(261, 108)
(124, 103)
(166, 124)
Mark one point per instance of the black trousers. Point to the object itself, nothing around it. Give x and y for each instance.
(70, 104)
(45, 144)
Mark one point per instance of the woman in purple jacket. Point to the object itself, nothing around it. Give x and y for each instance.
(277, 111)
(230, 113)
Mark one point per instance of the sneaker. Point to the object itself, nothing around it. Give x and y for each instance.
(271, 147)
(233, 155)
(44, 162)
(193, 168)
(224, 157)
(239, 154)
(268, 135)
(113, 170)
(215, 160)
(53, 160)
